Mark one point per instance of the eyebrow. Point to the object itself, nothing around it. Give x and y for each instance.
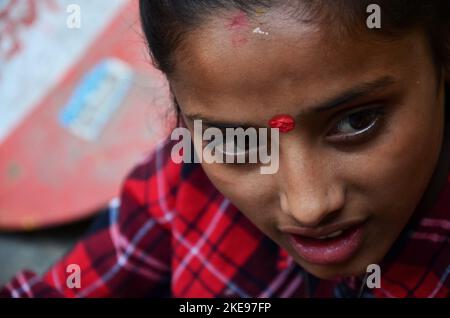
(340, 100)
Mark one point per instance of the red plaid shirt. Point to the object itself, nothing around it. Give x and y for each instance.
(174, 234)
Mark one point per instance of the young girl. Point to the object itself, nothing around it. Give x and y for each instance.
(361, 185)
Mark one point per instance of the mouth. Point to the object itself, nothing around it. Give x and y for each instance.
(332, 245)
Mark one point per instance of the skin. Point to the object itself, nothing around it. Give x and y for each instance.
(325, 176)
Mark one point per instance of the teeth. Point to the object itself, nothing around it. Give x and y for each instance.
(334, 234)
(337, 233)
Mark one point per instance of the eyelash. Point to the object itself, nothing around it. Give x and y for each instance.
(224, 144)
(378, 113)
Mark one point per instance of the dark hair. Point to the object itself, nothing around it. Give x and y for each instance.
(166, 22)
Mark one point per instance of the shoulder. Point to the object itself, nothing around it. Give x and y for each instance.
(159, 186)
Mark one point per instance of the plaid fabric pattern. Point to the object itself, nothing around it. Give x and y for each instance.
(174, 235)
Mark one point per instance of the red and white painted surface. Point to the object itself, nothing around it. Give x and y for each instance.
(78, 106)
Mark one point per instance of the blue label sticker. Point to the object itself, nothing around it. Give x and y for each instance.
(97, 98)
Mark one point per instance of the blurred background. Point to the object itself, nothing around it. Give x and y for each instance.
(80, 104)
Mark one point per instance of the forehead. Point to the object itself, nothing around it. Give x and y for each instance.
(274, 57)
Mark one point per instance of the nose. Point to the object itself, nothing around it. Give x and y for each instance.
(309, 191)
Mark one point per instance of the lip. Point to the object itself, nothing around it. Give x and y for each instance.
(326, 251)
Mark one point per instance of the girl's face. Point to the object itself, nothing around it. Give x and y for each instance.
(369, 119)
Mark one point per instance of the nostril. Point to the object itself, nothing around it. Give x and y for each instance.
(315, 217)
(310, 214)
(330, 218)
(314, 206)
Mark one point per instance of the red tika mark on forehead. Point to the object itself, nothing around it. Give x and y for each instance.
(237, 25)
(239, 21)
(284, 123)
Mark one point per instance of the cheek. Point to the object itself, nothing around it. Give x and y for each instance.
(398, 168)
(252, 193)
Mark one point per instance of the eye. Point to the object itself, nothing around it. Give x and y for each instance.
(357, 124)
(239, 150)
